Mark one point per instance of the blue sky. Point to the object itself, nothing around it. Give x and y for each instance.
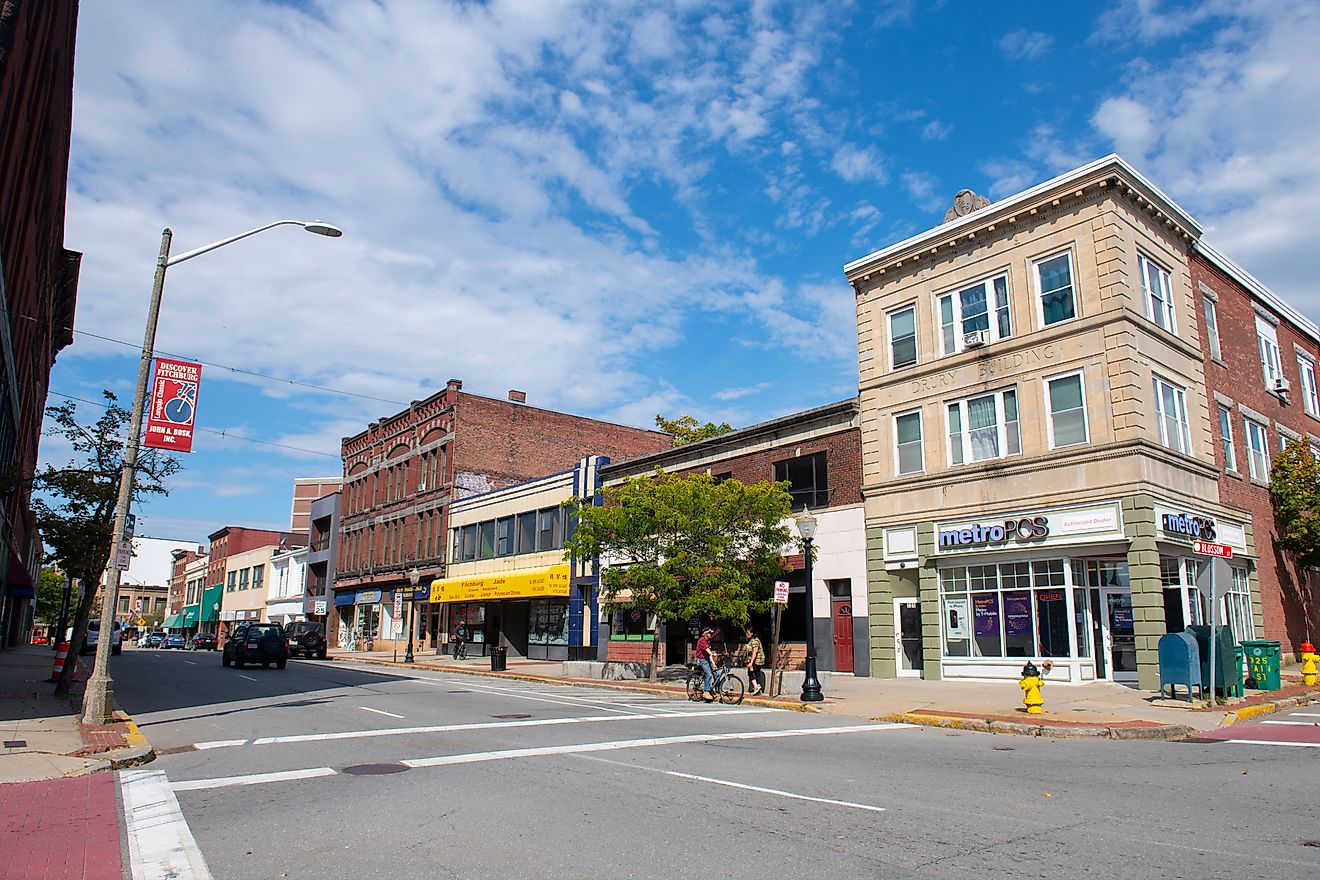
(621, 208)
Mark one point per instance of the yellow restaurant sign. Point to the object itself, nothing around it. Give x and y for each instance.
(502, 585)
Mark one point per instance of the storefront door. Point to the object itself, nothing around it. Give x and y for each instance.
(907, 637)
(843, 635)
(1120, 634)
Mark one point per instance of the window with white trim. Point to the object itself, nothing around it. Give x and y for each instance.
(1212, 330)
(908, 451)
(1066, 396)
(1258, 451)
(1267, 341)
(1171, 412)
(1054, 287)
(1226, 438)
(1237, 607)
(984, 427)
(981, 309)
(1158, 292)
(1306, 369)
(903, 337)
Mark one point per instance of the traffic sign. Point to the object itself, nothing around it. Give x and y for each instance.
(781, 592)
(1207, 548)
(318, 607)
(124, 555)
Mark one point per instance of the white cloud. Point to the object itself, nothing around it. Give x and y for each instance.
(739, 393)
(1025, 45)
(922, 187)
(856, 164)
(935, 130)
(1127, 123)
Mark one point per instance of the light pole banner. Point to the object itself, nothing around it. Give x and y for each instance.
(173, 405)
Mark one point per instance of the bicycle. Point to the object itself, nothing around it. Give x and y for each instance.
(460, 650)
(728, 687)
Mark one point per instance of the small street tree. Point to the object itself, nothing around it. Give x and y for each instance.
(1295, 490)
(75, 504)
(679, 547)
(50, 594)
(686, 429)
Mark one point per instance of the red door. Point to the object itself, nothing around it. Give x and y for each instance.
(843, 635)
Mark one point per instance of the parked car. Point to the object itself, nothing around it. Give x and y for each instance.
(306, 637)
(155, 640)
(94, 636)
(175, 640)
(262, 643)
(202, 642)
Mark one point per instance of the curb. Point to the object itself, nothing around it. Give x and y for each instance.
(1246, 713)
(1164, 732)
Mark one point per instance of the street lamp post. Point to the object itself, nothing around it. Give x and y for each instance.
(98, 698)
(806, 526)
(414, 576)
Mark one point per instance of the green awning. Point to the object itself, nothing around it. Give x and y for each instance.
(172, 622)
(210, 604)
(187, 617)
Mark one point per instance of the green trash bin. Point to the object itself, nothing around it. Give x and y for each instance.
(1263, 657)
(1239, 659)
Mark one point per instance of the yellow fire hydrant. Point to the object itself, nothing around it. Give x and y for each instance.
(1309, 661)
(1031, 684)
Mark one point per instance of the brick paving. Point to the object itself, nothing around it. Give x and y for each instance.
(60, 829)
(102, 738)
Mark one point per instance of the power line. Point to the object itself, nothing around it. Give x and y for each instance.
(225, 434)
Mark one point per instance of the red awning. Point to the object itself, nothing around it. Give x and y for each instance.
(18, 573)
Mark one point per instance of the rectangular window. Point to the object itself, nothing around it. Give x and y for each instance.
(243, 578)
(903, 337)
(976, 312)
(983, 428)
(1237, 606)
(807, 478)
(907, 430)
(1268, 343)
(549, 537)
(527, 532)
(258, 577)
(1171, 412)
(504, 536)
(469, 543)
(231, 582)
(1158, 293)
(1067, 410)
(487, 546)
(1226, 439)
(1054, 286)
(1306, 369)
(1258, 451)
(1212, 330)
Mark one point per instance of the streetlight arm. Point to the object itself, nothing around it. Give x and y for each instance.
(197, 252)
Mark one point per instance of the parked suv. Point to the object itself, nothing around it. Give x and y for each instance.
(256, 643)
(306, 637)
(94, 636)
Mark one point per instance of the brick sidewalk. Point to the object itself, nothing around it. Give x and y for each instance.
(60, 829)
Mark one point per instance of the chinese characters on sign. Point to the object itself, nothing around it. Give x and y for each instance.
(173, 405)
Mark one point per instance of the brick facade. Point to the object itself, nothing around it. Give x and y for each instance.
(232, 540)
(1236, 381)
(179, 578)
(305, 491)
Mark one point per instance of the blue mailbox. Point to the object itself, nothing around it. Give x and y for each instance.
(1180, 664)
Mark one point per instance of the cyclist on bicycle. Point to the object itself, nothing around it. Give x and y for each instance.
(706, 659)
(460, 636)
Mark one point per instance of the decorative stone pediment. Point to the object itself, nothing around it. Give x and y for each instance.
(964, 203)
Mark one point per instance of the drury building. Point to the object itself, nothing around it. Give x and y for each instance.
(1037, 451)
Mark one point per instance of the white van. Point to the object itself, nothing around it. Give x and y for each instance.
(94, 636)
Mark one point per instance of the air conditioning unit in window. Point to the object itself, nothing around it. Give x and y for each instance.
(976, 338)
(1281, 386)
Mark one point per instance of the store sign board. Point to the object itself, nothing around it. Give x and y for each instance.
(368, 597)
(1092, 523)
(553, 581)
(173, 405)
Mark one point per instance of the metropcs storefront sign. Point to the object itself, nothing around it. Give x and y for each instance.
(1022, 530)
(1093, 523)
(1198, 528)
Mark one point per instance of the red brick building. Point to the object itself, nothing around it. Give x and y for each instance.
(40, 276)
(230, 541)
(305, 491)
(1260, 369)
(401, 473)
(178, 578)
(819, 452)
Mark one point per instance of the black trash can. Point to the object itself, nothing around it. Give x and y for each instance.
(499, 658)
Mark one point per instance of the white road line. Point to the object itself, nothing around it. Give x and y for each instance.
(1272, 742)
(190, 663)
(523, 695)
(253, 779)
(452, 728)
(160, 844)
(1297, 723)
(775, 791)
(379, 711)
(248, 677)
(582, 748)
(1305, 715)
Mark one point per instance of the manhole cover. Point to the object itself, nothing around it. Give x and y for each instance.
(16, 744)
(374, 769)
(512, 715)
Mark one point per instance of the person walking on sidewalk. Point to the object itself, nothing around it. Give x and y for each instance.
(755, 660)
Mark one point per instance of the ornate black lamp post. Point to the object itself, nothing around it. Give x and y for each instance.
(414, 576)
(806, 526)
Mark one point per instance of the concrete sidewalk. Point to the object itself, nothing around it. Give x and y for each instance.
(43, 737)
(1100, 709)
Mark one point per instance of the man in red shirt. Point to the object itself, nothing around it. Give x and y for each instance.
(706, 658)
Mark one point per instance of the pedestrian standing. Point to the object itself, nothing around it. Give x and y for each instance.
(755, 661)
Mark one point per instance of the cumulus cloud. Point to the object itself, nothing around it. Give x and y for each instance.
(856, 164)
(1025, 45)
(935, 130)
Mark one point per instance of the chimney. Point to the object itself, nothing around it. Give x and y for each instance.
(454, 385)
(517, 396)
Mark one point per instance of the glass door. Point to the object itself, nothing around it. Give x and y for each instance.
(1119, 634)
(907, 637)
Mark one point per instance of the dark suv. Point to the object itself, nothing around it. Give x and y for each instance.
(306, 637)
(256, 643)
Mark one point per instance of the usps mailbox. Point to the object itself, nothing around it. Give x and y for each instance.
(1180, 664)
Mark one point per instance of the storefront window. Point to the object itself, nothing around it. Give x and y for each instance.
(1082, 622)
(1012, 609)
(473, 616)
(548, 622)
(631, 625)
(1237, 607)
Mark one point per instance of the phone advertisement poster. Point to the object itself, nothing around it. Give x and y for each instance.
(173, 405)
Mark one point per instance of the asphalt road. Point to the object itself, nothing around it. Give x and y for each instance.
(333, 770)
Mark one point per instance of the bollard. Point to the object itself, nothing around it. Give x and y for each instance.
(1309, 660)
(61, 652)
(1031, 684)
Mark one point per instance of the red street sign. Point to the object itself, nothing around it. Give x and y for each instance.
(173, 405)
(781, 592)
(1206, 548)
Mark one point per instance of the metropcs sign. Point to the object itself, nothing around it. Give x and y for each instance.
(1031, 528)
(1198, 528)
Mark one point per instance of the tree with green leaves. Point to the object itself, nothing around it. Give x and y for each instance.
(50, 594)
(75, 504)
(1295, 490)
(682, 547)
(687, 429)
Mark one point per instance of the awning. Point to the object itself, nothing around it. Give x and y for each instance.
(211, 598)
(344, 597)
(188, 617)
(172, 622)
(525, 584)
(19, 576)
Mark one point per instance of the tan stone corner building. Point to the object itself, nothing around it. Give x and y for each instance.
(1037, 452)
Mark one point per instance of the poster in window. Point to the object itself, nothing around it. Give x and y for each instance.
(1017, 614)
(985, 613)
(955, 617)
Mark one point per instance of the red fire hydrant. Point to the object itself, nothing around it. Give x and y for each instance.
(1309, 661)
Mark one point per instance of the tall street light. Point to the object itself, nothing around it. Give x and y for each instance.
(413, 575)
(98, 699)
(806, 526)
